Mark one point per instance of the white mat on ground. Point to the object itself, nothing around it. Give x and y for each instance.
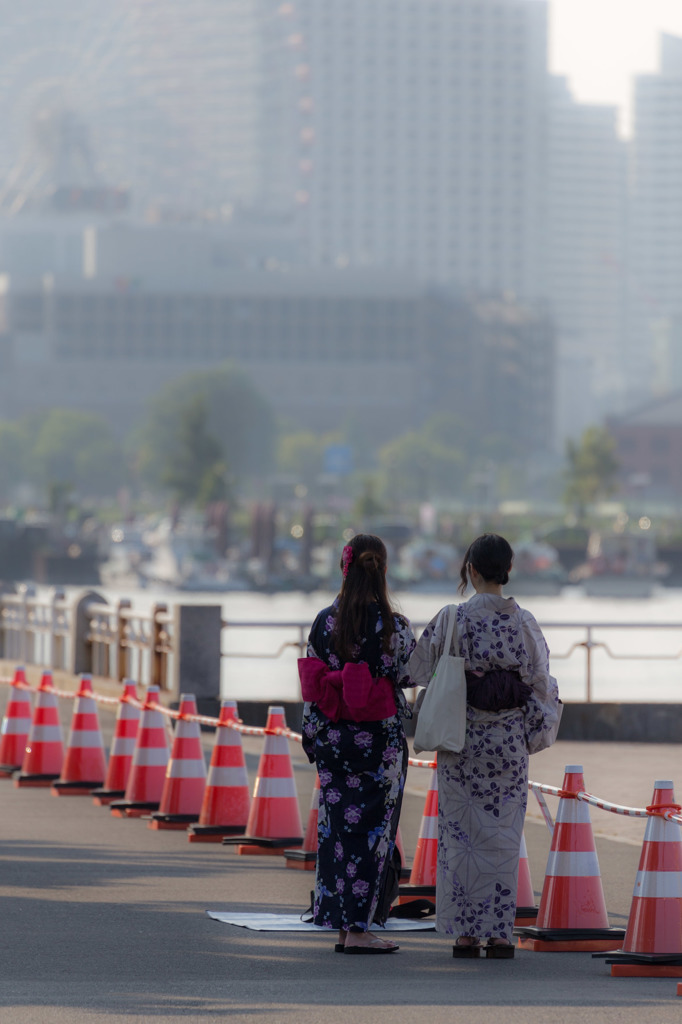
(293, 923)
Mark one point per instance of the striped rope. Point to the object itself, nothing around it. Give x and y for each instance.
(670, 814)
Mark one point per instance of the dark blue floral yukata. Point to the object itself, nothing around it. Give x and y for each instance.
(362, 768)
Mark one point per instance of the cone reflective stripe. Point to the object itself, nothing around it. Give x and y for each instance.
(275, 817)
(122, 748)
(305, 858)
(425, 858)
(84, 765)
(16, 725)
(226, 800)
(572, 913)
(148, 770)
(653, 939)
(44, 754)
(526, 911)
(185, 781)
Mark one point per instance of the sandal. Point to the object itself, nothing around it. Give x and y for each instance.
(469, 949)
(375, 945)
(499, 950)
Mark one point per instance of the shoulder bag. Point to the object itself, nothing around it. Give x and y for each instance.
(442, 720)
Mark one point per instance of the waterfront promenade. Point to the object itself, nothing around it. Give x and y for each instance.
(104, 919)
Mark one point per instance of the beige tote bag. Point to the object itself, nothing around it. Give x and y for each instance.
(442, 718)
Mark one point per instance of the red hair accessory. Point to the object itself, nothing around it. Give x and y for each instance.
(346, 559)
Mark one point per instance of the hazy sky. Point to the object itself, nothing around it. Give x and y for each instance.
(600, 44)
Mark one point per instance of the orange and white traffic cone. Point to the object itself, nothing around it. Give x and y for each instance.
(183, 789)
(148, 770)
(653, 939)
(122, 748)
(44, 754)
(84, 766)
(422, 881)
(275, 817)
(226, 801)
(572, 914)
(526, 911)
(16, 726)
(305, 858)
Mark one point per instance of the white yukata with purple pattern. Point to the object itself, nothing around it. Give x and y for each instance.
(482, 791)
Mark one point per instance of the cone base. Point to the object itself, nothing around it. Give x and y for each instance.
(61, 788)
(622, 956)
(679, 989)
(525, 916)
(301, 860)
(647, 971)
(408, 893)
(301, 865)
(8, 770)
(132, 808)
(42, 781)
(172, 821)
(280, 842)
(256, 848)
(104, 797)
(567, 946)
(213, 833)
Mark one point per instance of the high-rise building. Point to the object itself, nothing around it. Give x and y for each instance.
(655, 292)
(426, 144)
(586, 257)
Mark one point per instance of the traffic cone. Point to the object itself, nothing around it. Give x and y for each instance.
(275, 817)
(84, 766)
(183, 789)
(653, 939)
(526, 911)
(148, 770)
(16, 726)
(122, 748)
(422, 881)
(226, 802)
(44, 754)
(572, 914)
(305, 858)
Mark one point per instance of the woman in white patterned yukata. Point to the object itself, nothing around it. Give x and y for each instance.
(352, 682)
(513, 709)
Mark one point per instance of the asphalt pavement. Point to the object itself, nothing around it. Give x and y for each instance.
(104, 919)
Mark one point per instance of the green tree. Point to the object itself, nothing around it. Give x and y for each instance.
(237, 417)
(417, 466)
(75, 448)
(196, 472)
(592, 468)
(14, 448)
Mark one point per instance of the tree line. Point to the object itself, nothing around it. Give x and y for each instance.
(207, 436)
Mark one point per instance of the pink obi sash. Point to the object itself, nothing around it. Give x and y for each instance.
(350, 693)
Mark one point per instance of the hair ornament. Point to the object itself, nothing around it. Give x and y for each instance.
(346, 559)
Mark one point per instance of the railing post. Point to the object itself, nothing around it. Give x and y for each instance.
(588, 667)
(81, 647)
(157, 667)
(56, 642)
(26, 592)
(121, 653)
(197, 634)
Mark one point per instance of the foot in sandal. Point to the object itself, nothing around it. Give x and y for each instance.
(359, 943)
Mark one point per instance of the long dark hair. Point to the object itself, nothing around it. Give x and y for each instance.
(364, 565)
(491, 556)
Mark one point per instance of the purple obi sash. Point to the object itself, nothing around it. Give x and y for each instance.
(350, 693)
(497, 690)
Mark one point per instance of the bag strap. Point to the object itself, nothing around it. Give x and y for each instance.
(451, 626)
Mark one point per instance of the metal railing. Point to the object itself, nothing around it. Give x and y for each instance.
(127, 644)
(116, 641)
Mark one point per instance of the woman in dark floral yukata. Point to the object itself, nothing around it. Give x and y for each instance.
(513, 709)
(352, 683)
